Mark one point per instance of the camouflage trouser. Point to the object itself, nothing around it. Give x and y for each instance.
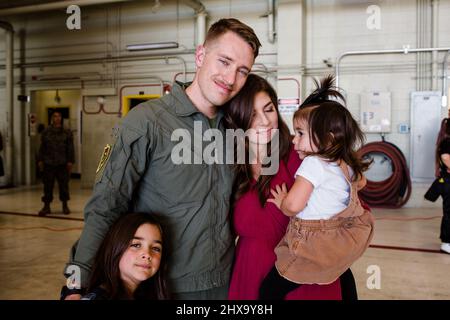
(49, 175)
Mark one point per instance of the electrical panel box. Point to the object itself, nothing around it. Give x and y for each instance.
(376, 112)
(425, 123)
(403, 128)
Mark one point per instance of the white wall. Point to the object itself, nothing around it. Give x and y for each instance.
(105, 31)
(335, 27)
(308, 32)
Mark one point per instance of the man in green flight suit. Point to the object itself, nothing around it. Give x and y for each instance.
(137, 173)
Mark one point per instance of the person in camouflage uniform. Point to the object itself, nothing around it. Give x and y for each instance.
(55, 159)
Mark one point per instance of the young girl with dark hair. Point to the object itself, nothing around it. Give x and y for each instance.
(441, 186)
(441, 147)
(130, 263)
(328, 229)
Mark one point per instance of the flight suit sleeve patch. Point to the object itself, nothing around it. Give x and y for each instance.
(103, 160)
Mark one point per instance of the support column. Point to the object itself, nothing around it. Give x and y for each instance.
(291, 48)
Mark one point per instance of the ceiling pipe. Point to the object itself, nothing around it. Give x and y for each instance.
(201, 28)
(201, 13)
(444, 80)
(196, 5)
(271, 21)
(434, 44)
(9, 92)
(53, 6)
(131, 57)
(405, 50)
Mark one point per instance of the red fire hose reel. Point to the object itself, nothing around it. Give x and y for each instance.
(394, 191)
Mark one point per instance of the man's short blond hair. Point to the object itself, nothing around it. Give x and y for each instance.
(241, 29)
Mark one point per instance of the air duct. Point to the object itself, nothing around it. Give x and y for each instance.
(200, 11)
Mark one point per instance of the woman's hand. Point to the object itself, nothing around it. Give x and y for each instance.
(279, 193)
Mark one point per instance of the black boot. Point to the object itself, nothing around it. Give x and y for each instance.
(45, 210)
(65, 208)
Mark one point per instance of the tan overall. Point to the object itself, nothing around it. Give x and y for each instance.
(320, 251)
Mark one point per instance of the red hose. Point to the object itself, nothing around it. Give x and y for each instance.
(393, 192)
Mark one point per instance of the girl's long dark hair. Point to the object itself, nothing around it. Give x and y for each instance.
(332, 128)
(444, 133)
(238, 115)
(325, 91)
(337, 136)
(106, 273)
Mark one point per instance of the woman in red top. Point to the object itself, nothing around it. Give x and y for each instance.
(260, 225)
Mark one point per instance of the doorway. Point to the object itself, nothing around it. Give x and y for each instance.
(43, 104)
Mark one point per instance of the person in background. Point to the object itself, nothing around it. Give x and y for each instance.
(40, 129)
(441, 186)
(55, 159)
(442, 135)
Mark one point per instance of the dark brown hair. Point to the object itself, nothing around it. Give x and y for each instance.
(332, 128)
(244, 31)
(106, 271)
(53, 114)
(444, 133)
(325, 91)
(238, 115)
(337, 135)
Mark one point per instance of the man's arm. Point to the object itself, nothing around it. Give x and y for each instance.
(42, 150)
(42, 147)
(119, 171)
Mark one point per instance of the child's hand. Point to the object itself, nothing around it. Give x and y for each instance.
(278, 195)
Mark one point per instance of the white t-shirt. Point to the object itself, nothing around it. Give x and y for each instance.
(331, 193)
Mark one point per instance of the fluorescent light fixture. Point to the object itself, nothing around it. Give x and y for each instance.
(152, 46)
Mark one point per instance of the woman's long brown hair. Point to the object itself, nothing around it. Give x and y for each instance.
(238, 115)
(106, 273)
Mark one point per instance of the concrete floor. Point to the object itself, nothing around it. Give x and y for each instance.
(403, 261)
